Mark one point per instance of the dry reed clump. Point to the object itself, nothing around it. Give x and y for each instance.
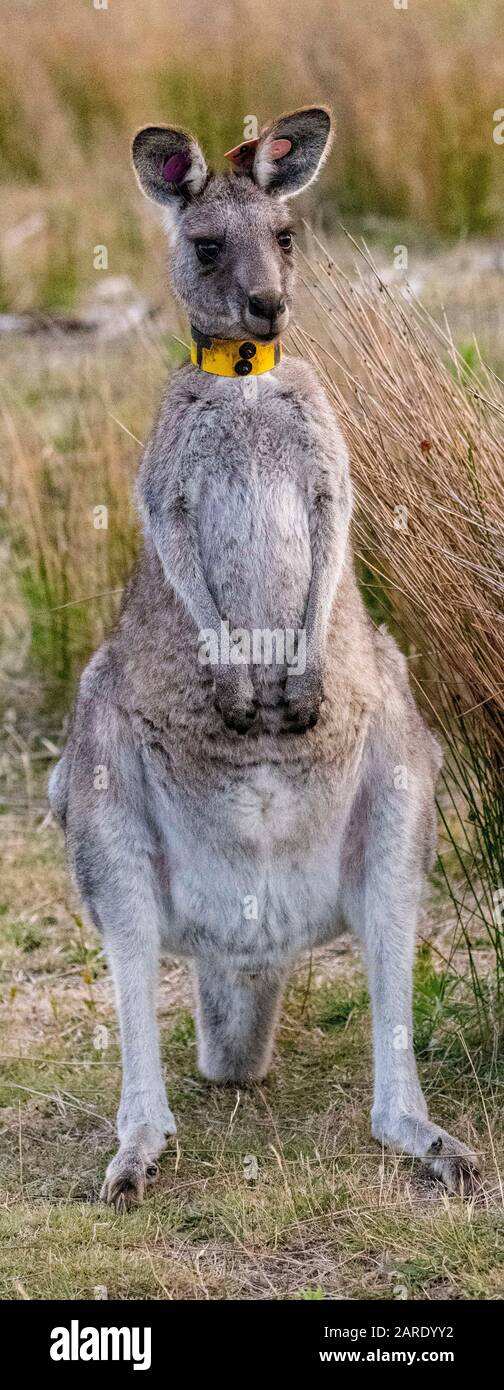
(426, 436)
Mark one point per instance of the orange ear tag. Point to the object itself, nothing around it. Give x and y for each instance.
(242, 155)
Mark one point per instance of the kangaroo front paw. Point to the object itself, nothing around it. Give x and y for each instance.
(303, 699)
(235, 699)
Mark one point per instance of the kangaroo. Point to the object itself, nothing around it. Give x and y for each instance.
(229, 807)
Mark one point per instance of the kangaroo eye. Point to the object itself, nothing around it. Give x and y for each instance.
(284, 240)
(208, 252)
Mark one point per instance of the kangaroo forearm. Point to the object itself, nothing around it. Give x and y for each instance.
(178, 552)
(191, 588)
(323, 588)
(322, 593)
(329, 538)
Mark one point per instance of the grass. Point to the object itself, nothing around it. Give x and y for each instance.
(327, 1214)
(68, 512)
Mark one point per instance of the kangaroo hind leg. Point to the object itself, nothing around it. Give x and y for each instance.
(113, 853)
(389, 846)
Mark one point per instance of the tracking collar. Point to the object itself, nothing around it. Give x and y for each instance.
(233, 357)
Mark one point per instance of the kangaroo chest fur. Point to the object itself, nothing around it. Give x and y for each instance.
(251, 493)
(250, 828)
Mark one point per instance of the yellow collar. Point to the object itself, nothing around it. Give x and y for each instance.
(235, 358)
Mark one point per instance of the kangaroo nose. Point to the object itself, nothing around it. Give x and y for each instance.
(266, 306)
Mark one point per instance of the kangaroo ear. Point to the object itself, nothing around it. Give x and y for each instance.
(291, 151)
(169, 165)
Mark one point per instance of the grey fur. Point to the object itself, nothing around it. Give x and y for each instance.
(243, 849)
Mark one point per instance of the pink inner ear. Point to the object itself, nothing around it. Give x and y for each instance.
(175, 168)
(279, 148)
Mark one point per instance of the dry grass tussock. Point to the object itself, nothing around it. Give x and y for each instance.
(426, 433)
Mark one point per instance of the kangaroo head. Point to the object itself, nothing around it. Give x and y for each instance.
(232, 265)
